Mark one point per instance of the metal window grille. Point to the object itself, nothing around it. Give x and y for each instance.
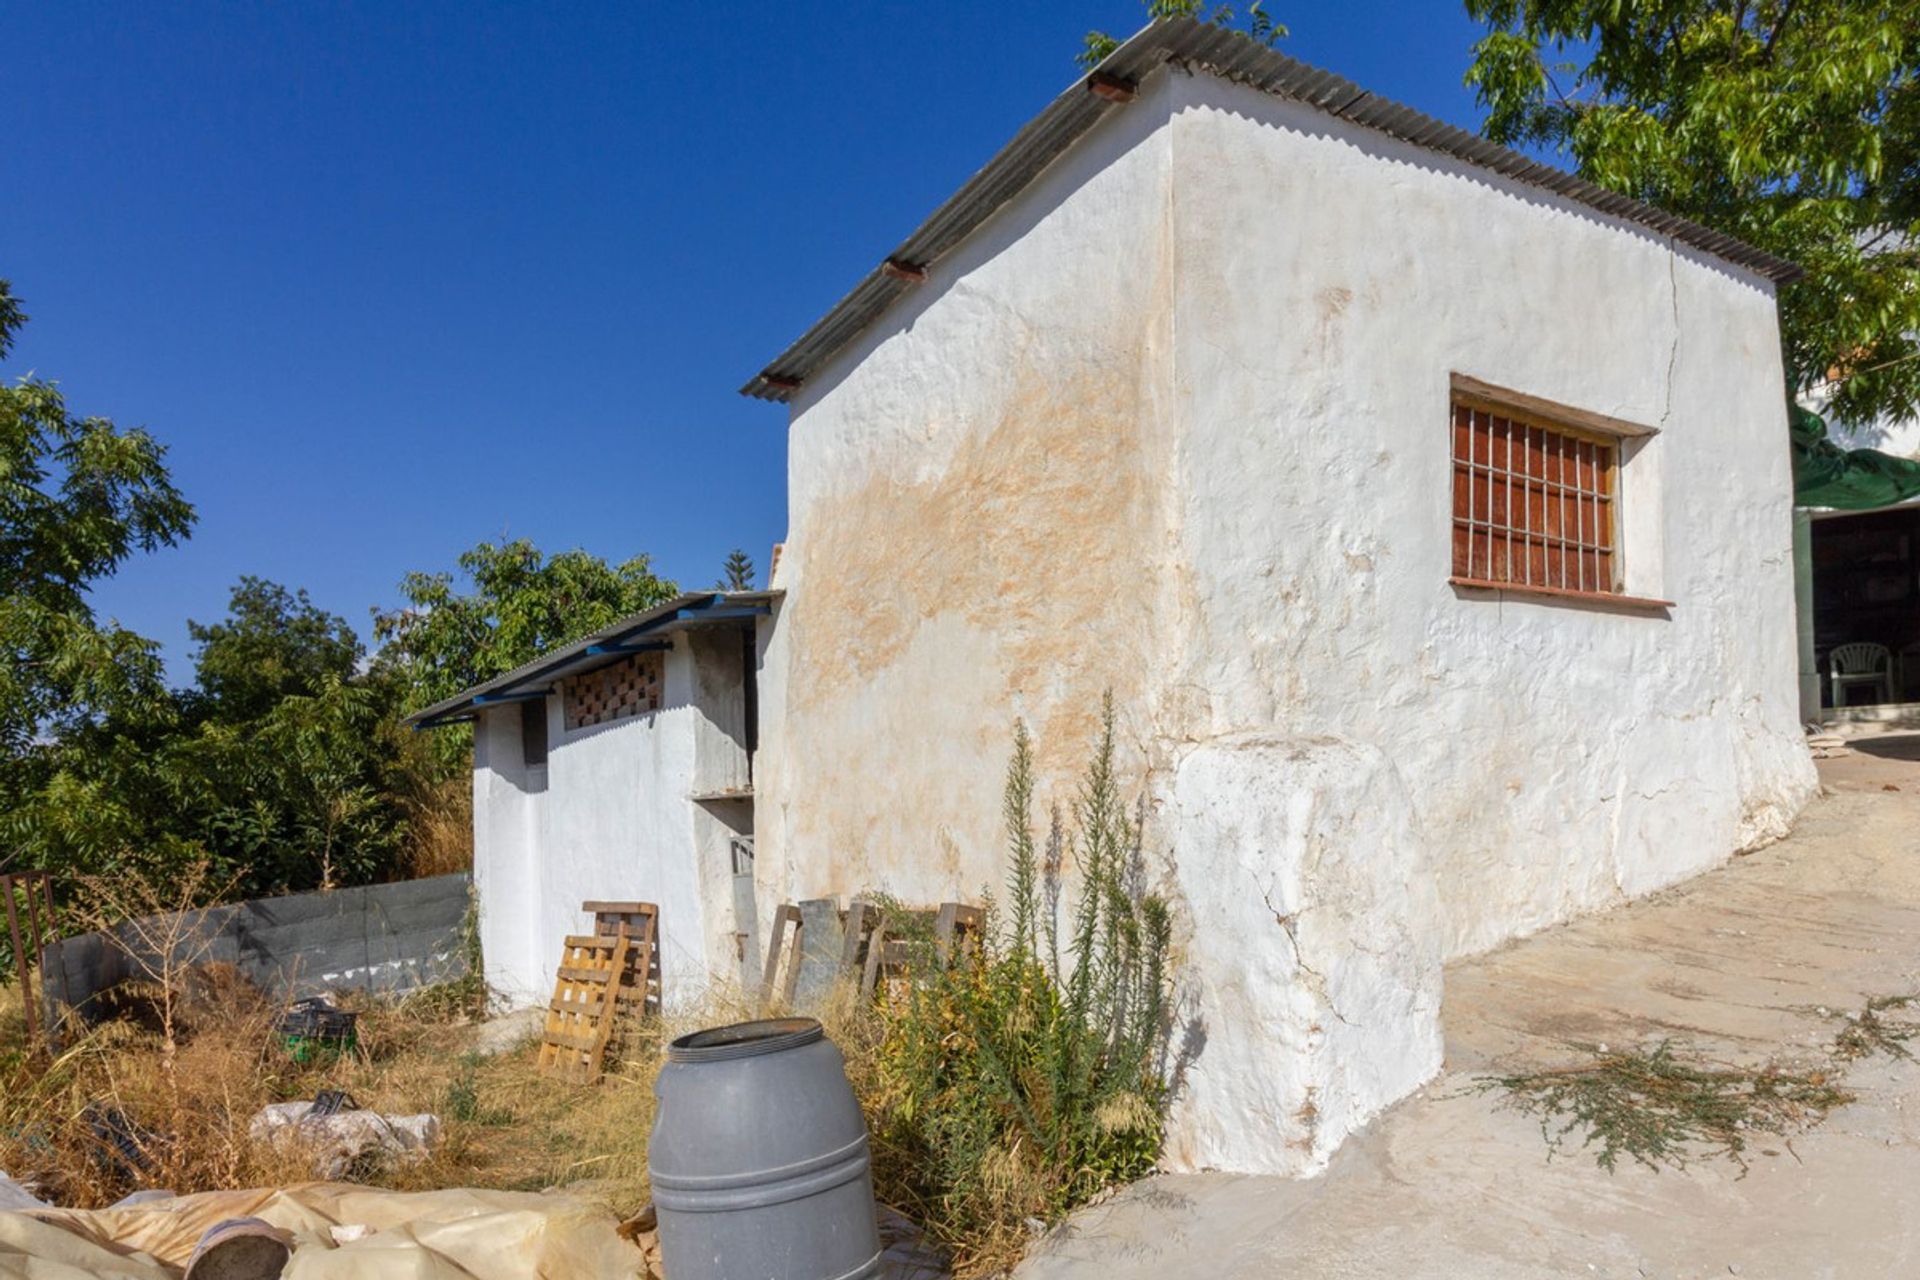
(1533, 505)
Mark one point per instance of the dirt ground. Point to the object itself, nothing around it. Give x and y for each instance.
(1737, 963)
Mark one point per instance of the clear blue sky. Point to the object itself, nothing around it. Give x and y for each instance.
(391, 279)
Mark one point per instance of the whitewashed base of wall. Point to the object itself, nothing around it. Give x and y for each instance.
(1284, 1050)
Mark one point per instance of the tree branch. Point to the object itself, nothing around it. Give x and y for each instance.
(1779, 25)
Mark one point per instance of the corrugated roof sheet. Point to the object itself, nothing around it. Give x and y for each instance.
(1230, 55)
(676, 614)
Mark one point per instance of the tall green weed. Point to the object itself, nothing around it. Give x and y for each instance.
(1016, 1082)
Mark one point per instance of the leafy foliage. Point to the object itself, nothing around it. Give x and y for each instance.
(1793, 124)
(272, 645)
(1253, 18)
(1013, 1087)
(521, 604)
(283, 770)
(78, 496)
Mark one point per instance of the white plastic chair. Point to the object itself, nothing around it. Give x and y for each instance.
(1860, 663)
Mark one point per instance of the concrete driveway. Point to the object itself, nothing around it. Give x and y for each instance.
(1738, 964)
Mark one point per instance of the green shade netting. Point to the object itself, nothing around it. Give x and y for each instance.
(1825, 475)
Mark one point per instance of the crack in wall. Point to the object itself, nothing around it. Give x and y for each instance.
(1289, 923)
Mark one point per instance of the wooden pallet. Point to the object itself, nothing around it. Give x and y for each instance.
(871, 952)
(603, 976)
(886, 959)
(641, 921)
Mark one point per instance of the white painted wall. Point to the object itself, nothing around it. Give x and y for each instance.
(507, 807)
(1174, 423)
(614, 822)
(1559, 757)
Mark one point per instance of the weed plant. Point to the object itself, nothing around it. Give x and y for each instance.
(1878, 1027)
(1661, 1109)
(1016, 1080)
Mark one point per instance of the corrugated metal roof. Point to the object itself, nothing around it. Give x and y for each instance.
(693, 609)
(1230, 55)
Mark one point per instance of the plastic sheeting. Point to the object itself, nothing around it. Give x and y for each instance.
(1825, 475)
(339, 1231)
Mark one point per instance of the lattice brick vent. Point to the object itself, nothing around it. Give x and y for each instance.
(612, 693)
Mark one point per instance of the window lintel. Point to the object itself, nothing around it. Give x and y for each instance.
(1537, 411)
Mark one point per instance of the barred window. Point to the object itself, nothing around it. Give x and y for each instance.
(1534, 503)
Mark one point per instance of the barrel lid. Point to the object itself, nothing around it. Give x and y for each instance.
(744, 1040)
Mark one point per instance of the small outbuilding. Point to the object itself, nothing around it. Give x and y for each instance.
(620, 767)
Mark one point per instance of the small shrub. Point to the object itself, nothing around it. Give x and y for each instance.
(1013, 1084)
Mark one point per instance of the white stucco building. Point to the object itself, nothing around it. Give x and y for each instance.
(1224, 386)
(1426, 510)
(620, 768)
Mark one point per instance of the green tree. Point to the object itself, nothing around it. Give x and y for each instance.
(310, 795)
(78, 497)
(1251, 17)
(520, 604)
(285, 769)
(273, 644)
(1792, 124)
(737, 573)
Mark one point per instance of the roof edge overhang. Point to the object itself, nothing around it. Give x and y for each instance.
(1199, 46)
(650, 629)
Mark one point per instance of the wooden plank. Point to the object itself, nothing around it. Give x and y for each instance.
(787, 914)
(956, 923)
(876, 951)
(619, 908)
(19, 956)
(644, 978)
(1538, 411)
(48, 935)
(603, 1033)
(602, 976)
(570, 1040)
(862, 918)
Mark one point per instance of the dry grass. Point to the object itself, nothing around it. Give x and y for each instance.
(439, 830)
(1660, 1109)
(1876, 1028)
(13, 1022)
(503, 1124)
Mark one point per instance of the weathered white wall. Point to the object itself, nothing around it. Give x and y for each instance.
(1175, 423)
(1558, 757)
(979, 528)
(1312, 855)
(614, 822)
(506, 818)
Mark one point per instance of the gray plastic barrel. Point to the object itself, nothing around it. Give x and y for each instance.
(759, 1158)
